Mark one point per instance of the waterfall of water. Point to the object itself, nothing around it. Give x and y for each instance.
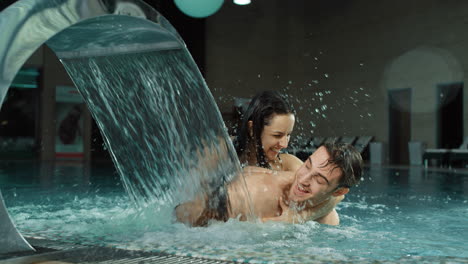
(160, 123)
(157, 116)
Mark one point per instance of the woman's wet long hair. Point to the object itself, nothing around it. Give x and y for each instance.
(261, 110)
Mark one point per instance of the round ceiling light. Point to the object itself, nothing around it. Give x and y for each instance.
(199, 8)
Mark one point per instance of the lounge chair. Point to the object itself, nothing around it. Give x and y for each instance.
(332, 139)
(460, 153)
(348, 140)
(309, 148)
(447, 156)
(362, 143)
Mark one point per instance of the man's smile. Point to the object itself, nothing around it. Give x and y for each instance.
(300, 190)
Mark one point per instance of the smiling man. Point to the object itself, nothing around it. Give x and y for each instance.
(310, 193)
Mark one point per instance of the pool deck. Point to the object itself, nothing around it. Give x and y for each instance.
(56, 252)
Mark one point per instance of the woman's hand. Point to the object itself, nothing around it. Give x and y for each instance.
(287, 215)
(297, 215)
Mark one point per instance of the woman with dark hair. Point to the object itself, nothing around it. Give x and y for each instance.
(265, 130)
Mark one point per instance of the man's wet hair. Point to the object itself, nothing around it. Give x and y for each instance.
(345, 157)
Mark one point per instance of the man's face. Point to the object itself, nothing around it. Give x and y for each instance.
(315, 180)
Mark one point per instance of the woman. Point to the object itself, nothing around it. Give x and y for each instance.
(264, 131)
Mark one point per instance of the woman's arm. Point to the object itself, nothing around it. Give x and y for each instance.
(323, 213)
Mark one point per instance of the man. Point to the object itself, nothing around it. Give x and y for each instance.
(308, 194)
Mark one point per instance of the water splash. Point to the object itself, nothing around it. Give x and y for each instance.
(160, 123)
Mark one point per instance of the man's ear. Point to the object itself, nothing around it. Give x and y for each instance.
(340, 191)
(250, 126)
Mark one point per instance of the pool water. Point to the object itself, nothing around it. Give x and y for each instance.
(395, 214)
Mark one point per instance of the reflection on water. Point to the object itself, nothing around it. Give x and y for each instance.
(392, 214)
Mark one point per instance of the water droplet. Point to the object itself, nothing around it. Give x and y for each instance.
(326, 75)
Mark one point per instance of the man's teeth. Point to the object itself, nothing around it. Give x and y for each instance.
(301, 188)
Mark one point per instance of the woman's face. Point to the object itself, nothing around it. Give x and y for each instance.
(275, 135)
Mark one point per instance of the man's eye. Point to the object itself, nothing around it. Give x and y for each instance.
(319, 179)
(278, 136)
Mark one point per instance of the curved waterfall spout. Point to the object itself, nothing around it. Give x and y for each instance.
(156, 114)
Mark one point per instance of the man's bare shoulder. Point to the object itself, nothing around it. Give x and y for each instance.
(263, 172)
(256, 170)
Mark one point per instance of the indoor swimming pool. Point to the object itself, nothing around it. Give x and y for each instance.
(167, 140)
(395, 214)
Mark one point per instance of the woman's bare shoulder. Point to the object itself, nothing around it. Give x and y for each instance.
(290, 162)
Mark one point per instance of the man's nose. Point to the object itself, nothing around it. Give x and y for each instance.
(306, 178)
